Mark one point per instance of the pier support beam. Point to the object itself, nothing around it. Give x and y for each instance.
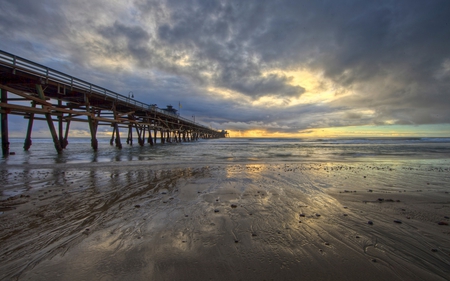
(142, 137)
(118, 143)
(66, 134)
(163, 140)
(150, 137)
(48, 117)
(141, 134)
(93, 124)
(130, 133)
(28, 142)
(60, 126)
(111, 142)
(4, 124)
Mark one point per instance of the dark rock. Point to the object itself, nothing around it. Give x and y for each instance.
(216, 210)
(137, 206)
(434, 250)
(443, 223)
(380, 199)
(317, 215)
(302, 215)
(370, 222)
(374, 260)
(233, 206)
(397, 221)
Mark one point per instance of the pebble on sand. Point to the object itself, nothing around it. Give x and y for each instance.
(443, 223)
(216, 210)
(397, 221)
(233, 206)
(370, 222)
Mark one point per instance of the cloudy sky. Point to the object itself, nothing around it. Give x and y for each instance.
(256, 68)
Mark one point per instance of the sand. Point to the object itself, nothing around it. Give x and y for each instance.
(239, 221)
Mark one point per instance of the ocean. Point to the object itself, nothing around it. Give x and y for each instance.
(232, 150)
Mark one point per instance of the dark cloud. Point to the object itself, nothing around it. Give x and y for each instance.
(386, 61)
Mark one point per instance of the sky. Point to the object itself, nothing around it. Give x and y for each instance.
(279, 68)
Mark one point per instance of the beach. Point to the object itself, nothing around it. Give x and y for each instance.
(219, 220)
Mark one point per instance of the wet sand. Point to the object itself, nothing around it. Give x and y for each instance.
(236, 221)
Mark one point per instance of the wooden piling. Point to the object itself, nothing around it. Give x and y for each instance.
(118, 143)
(66, 134)
(4, 124)
(48, 117)
(93, 124)
(150, 137)
(28, 142)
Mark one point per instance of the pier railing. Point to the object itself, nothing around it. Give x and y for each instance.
(46, 73)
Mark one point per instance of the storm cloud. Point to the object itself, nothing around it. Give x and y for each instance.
(279, 66)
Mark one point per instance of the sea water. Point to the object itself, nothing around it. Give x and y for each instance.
(232, 150)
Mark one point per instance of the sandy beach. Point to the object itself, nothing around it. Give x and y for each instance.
(278, 221)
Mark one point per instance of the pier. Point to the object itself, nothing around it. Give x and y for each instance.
(60, 99)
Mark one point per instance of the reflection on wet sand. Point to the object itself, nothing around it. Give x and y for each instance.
(221, 222)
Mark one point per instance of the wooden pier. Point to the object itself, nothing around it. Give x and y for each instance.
(61, 99)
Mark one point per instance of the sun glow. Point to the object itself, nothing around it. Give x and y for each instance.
(318, 89)
(352, 131)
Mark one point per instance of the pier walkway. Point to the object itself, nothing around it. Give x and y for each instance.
(42, 93)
